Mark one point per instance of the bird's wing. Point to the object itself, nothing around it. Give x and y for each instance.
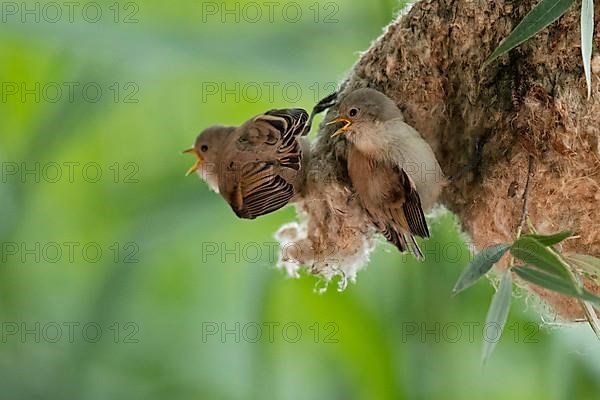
(412, 153)
(289, 121)
(404, 216)
(402, 241)
(265, 159)
(259, 190)
(405, 205)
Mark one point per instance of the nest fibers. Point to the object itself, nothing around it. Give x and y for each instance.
(334, 237)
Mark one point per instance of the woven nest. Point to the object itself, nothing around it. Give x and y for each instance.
(529, 103)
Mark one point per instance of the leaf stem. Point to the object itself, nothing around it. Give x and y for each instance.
(524, 212)
(525, 197)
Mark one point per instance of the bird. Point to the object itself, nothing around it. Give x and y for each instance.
(393, 170)
(258, 167)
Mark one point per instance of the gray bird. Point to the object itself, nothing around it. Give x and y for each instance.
(258, 167)
(392, 168)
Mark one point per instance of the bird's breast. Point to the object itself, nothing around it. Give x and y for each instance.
(372, 179)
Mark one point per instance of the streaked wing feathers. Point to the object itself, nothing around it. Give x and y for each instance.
(402, 241)
(263, 192)
(413, 212)
(289, 121)
(264, 181)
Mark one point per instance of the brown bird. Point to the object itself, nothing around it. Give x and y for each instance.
(258, 167)
(392, 168)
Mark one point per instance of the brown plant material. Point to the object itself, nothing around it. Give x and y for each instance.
(530, 102)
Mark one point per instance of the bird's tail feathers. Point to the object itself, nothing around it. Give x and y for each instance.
(403, 242)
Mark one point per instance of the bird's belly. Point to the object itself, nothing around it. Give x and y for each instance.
(378, 190)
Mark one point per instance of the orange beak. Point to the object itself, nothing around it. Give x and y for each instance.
(344, 128)
(198, 162)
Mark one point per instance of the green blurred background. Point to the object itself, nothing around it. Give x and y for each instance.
(173, 305)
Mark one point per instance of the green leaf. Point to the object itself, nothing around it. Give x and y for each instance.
(497, 315)
(556, 284)
(587, 34)
(589, 265)
(479, 266)
(542, 15)
(533, 252)
(548, 281)
(551, 240)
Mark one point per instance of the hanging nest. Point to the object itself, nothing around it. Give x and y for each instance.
(531, 102)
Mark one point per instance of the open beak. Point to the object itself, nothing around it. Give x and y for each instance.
(344, 128)
(198, 162)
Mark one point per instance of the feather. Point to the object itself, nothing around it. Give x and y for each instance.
(263, 160)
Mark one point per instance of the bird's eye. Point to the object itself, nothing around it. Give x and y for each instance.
(204, 148)
(353, 112)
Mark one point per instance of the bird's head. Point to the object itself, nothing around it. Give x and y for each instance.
(361, 111)
(207, 147)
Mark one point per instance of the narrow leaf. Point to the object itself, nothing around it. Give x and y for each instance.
(589, 265)
(533, 252)
(587, 34)
(496, 316)
(542, 15)
(548, 281)
(556, 284)
(479, 266)
(551, 240)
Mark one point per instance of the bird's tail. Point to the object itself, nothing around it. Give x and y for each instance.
(403, 242)
(414, 248)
